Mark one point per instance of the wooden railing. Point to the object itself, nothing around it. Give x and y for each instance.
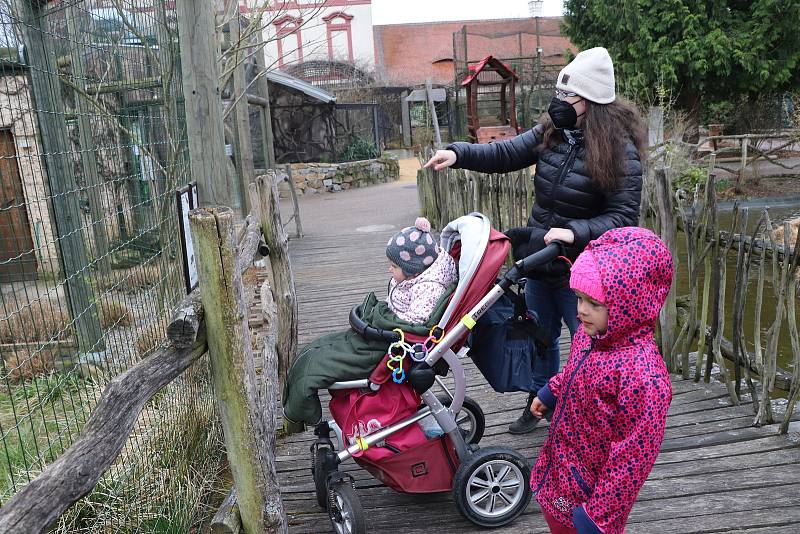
(708, 251)
(448, 194)
(212, 319)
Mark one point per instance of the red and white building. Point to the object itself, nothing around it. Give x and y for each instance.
(327, 30)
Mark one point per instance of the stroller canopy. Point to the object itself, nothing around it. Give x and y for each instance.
(480, 252)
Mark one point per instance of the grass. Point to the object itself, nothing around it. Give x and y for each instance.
(41, 320)
(150, 338)
(39, 418)
(132, 279)
(169, 476)
(113, 312)
(27, 364)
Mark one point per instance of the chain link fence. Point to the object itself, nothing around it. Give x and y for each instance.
(93, 147)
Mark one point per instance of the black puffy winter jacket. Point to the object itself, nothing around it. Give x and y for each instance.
(565, 196)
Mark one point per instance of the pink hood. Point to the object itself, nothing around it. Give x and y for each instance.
(611, 398)
(636, 270)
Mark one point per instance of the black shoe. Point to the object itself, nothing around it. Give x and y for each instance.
(526, 423)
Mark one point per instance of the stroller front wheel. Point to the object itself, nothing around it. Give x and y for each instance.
(491, 487)
(345, 510)
(470, 419)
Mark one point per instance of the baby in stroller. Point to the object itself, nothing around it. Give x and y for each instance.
(420, 273)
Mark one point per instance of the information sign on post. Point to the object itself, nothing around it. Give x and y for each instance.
(187, 200)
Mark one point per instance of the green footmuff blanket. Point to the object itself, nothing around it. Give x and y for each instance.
(342, 356)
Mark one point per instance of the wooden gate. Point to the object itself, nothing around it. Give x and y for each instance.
(17, 258)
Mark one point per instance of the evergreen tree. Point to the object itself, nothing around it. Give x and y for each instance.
(718, 49)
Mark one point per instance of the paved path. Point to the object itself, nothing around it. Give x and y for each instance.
(715, 473)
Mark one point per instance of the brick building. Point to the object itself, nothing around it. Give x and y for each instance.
(407, 54)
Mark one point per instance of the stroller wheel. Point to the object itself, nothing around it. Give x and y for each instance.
(344, 509)
(491, 487)
(470, 419)
(320, 477)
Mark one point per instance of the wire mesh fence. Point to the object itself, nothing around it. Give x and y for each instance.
(92, 149)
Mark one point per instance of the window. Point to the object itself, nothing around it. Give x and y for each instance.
(340, 36)
(290, 40)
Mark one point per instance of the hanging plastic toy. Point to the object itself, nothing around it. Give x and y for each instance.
(397, 353)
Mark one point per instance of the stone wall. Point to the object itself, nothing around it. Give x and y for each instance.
(332, 177)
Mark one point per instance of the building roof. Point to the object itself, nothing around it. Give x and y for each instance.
(501, 68)
(410, 53)
(281, 78)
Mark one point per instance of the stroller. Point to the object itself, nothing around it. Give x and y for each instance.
(489, 486)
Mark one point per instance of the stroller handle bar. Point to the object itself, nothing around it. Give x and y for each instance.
(520, 269)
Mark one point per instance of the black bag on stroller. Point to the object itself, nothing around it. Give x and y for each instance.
(505, 343)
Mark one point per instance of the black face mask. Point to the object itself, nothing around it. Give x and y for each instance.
(562, 114)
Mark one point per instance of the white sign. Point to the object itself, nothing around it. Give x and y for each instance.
(187, 201)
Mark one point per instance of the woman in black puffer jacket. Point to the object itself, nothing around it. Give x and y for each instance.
(588, 180)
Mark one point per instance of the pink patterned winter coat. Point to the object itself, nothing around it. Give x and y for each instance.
(611, 398)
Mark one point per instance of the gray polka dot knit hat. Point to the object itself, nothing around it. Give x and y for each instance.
(413, 249)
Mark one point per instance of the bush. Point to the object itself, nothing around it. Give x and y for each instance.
(689, 177)
(359, 149)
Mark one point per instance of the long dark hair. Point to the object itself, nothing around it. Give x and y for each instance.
(606, 127)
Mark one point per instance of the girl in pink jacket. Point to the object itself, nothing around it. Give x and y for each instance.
(610, 401)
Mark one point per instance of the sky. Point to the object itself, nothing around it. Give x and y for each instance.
(405, 11)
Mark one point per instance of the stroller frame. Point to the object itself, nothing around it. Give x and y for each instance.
(340, 487)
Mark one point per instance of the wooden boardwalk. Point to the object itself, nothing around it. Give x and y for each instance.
(715, 473)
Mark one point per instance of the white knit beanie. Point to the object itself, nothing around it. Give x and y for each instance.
(590, 75)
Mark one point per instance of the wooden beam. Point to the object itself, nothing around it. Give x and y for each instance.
(76, 26)
(188, 316)
(668, 313)
(406, 118)
(232, 369)
(201, 92)
(76, 471)
(227, 520)
(271, 385)
(298, 225)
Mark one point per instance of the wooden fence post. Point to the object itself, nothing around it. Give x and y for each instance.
(298, 225)
(51, 121)
(204, 129)
(232, 368)
(282, 277)
(241, 113)
(434, 117)
(669, 313)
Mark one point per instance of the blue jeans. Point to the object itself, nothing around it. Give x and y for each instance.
(551, 306)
